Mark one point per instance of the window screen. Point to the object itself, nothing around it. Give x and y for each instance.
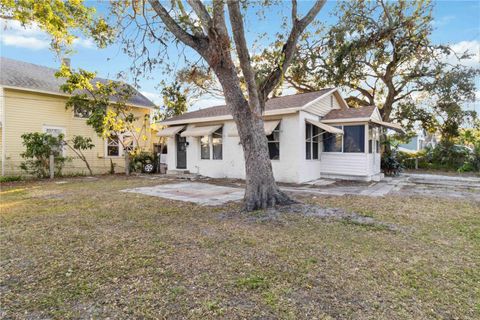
(217, 138)
(274, 144)
(332, 142)
(354, 138)
(204, 147)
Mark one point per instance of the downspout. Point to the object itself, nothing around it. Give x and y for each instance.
(2, 119)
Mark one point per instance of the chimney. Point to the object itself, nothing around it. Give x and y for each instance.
(66, 61)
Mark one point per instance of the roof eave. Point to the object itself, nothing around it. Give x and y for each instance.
(226, 117)
(66, 95)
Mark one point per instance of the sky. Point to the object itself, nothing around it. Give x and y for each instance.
(456, 23)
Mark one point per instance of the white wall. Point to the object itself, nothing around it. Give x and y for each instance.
(233, 165)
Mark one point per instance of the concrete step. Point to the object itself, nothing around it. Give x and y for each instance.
(178, 171)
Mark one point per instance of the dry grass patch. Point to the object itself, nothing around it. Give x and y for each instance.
(83, 249)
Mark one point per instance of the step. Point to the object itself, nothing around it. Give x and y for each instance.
(178, 171)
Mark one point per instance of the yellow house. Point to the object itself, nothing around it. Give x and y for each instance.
(31, 101)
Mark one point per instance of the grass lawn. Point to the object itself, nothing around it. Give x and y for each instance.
(84, 250)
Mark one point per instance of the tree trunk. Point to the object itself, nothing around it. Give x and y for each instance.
(88, 166)
(261, 189)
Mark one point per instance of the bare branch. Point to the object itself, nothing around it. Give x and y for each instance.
(202, 14)
(288, 51)
(243, 55)
(174, 28)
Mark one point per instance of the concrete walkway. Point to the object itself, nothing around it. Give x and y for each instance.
(407, 184)
(201, 193)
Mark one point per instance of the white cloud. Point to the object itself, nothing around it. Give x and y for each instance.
(472, 47)
(24, 42)
(154, 97)
(31, 36)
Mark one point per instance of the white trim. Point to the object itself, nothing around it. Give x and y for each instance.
(67, 95)
(64, 132)
(346, 120)
(305, 106)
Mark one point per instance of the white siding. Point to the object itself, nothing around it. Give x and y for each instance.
(233, 165)
(322, 106)
(348, 164)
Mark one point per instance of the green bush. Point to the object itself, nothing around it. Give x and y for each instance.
(39, 146)
(390, 162)
(4, 179)
(139, 160)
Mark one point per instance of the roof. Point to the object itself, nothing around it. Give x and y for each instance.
(364, 112)
(278, 103)
(29, 76)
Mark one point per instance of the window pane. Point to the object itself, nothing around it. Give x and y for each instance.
(315, 150)
(332, 142)
(370, 146)
(217, 138)
(80, 112)
(113, 149)
(274, 150)
(354, 138)
(204, 148)
(308, 153)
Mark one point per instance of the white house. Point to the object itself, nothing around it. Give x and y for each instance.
(310, 135)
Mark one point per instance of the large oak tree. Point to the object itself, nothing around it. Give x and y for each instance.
(216, 33)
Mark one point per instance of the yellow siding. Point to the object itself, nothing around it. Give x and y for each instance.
(29, 112)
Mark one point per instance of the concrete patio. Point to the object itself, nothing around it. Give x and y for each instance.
(204, 193)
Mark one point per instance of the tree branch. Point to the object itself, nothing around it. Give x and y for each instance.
(174, 28)
(202, 14)
(288, 51)
(243, 55)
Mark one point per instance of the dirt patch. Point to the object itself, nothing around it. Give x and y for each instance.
(277, 215)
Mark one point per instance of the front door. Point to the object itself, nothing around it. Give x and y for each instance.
(181, 152)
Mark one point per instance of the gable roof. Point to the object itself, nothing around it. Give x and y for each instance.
(33, 77)
(350, 113)
(278, 103)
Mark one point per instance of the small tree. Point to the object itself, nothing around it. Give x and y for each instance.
(106, 102)
(39, 147)
(174, 104)
(78, 144)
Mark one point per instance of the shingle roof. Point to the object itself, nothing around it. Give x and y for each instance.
(284, 102)
(35, 77)
(364, 112)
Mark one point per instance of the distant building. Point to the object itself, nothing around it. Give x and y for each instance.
(31, 101)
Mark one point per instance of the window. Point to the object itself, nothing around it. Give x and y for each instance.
(56, 131)
(217, 138)
(113, 146)
(354, 138)
(311, 143)
(128, 142)
(274, 144)
(332, 142)
(371, 139)
(212, 145)
(81, 112)
(205, 147)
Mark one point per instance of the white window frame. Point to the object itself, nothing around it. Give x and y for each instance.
(311, 142)
(121, 151)
(277, 129)
(210, 146)
(63, 131)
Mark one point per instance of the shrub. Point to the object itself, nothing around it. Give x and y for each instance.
(140, 159)
(39, 146)
(390, 162)
(4, 179)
